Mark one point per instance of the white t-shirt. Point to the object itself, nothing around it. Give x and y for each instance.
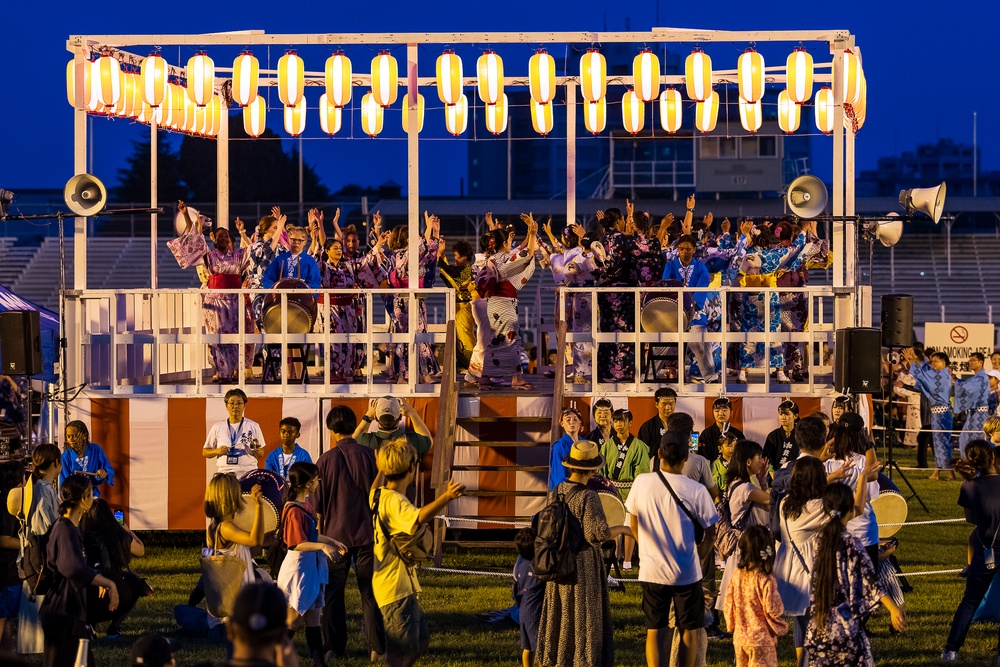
(863, 527)
(666, 535)
(239, 436)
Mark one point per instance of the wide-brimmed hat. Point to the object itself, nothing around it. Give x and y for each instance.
(585, 455)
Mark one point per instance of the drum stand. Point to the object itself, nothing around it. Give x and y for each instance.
(890, 435)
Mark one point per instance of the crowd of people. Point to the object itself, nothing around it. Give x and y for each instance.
(624, 250)
(790, 523)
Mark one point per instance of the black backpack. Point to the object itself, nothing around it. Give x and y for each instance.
(558, 540)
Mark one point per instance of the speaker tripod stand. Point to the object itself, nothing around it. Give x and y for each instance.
(889, 429)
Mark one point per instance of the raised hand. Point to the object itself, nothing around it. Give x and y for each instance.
(376, 220)
(746, 227)
(709, 219)
(690, 202)
(239, 225)
(725, 225)
(276, 211)
(489, 221)
(629, 209)
(336, 216)
(181, 206)
(599, 215)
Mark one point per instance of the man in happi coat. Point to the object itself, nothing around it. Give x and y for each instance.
(972, 396)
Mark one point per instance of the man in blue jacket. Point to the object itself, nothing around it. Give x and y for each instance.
(689, 272)
(294, 263)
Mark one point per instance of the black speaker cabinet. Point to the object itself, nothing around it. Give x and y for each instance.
(856, 368)
(20, 342)
(897, 320)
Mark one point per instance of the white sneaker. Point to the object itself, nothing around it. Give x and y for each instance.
(949, 656)
(780, 376)
(742, 377)
(627, 565)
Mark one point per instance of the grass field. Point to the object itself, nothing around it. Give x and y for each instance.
(458, 639)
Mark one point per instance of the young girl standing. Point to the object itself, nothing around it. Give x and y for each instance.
(845, 587)
(752, 606)
(303, 575)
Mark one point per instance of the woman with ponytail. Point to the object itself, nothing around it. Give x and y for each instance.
(63, 614)
(980, 498)
(303, 575)
(844, 588)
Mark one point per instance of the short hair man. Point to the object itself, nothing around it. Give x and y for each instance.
(395, 585)
(388, 412)
(935, 381)
(708, 441)
(347, 471)
(665, 401)
(671, 570)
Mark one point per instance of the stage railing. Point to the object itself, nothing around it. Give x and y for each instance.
(154, 342)
(817, 337)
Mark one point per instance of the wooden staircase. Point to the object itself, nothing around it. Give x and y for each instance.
(496, 454)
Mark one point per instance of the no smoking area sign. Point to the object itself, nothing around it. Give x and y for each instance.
(959, 334)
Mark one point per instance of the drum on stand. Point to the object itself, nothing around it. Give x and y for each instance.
(272, 488)
(301, 308)
(611, 500)
(659, 312)
(889, 507)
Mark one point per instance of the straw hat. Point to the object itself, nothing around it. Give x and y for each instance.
(585, 455)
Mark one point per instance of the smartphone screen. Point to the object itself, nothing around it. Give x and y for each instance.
(694, 442)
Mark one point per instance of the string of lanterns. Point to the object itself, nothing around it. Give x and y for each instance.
(148, 94)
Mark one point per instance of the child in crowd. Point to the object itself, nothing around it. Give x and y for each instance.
(282, 459)
(304, 573)
(528, 594)
(845, 588)
(727, 443)
(753, 607)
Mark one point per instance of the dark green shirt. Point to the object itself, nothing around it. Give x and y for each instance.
(374, 440)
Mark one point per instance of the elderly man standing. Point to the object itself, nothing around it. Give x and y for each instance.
(972, 396)
(346, 473)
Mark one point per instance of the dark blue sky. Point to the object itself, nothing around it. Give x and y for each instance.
(929, 67)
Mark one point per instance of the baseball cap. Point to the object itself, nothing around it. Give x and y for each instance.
(152, 650)
(260, 608)
(387, 411)
(852, 420)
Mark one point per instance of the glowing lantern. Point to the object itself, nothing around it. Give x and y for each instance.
(456, 116)
(246, 71)
(698, 75)
(385, 81)
(595, 115)
(542, 77)
(593, 76)
(131, 103)
(707, 113)
(109, 80)
(214, 116)
(371, 114)
(449, 77)
(824, 110)
(176, 103)
(90, 99)
(750, 73)
(165, 112)
(633, 112)
(338, 79)
(153, 74)
(146, 113)
(646, 75)
(291, 79)
(254, 117)
(496, 116)
(420, 113)
(788, 113)
(198, 119)
(331, 117)
(854, 114)
(295, 118)
(750, 115)
(852, 77)
(671, 110)
(799, 71)
(200, 78)
(118, 108)
(490, 70)
(541, 117)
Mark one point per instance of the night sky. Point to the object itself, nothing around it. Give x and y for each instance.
(929, 66)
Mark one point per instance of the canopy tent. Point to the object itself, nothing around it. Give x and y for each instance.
(49, 329)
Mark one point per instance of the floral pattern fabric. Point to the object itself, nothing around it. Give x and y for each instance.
(221, 312)
(398, 308)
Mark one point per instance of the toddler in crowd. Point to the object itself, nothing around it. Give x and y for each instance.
(752, 607)
(528, 594)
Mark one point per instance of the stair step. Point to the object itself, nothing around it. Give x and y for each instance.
(500, 468)
(507, 494)
(518, 518)
(506, 420)
(498, 443)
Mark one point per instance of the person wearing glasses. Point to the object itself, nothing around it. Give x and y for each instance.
(235, 443)
(83, 457)
(295, 263)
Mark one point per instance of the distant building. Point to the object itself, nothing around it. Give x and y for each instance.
(930, 164)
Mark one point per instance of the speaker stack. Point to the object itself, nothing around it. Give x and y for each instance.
(20, 342)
